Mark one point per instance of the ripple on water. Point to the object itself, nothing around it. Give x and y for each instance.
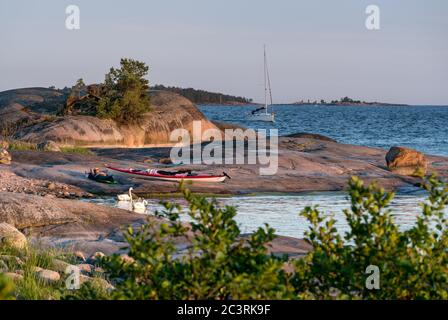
(282, 211)
(420, 127)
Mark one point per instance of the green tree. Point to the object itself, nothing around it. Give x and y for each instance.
(125, 94)
(78, 89)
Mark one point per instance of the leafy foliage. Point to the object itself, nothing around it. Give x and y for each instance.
(6, 288)
(125, 92)
(123, 96)
(79, 89)
(413, 263)
(219, 264)
(89, 290)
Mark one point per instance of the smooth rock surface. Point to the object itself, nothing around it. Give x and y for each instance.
(12, 237)
(169, 111)
(60, 217)
(48, 276)
(60, 266)
(303, 165)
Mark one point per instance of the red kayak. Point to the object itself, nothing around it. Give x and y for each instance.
(169, 176)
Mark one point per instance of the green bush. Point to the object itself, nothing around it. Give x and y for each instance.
(221, 264)
(413, 263)
(90, 290)
(6, 288)
(218, 265)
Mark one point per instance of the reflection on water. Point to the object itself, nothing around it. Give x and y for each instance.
(281, 211)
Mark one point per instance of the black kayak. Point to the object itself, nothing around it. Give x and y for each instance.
(102, 178)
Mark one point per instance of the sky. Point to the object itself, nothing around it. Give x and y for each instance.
(316, 49)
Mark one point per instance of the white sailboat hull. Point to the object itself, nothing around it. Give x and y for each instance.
(267, 117)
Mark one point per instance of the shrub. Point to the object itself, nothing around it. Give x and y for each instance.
(123, 96)
(219, 264)
(90, 290)
(413, 263)
(6, 288)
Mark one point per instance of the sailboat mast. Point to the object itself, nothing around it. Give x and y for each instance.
(257, 113)
(265, 81)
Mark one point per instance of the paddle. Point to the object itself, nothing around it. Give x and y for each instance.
(227, 175)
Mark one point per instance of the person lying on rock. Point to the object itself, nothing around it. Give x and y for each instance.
(98, 172)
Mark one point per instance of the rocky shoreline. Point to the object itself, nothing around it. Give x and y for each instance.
(45, 188)
(40, 188)
(305, 164)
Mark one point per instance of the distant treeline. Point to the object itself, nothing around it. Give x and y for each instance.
(346, 101)
(204, 97)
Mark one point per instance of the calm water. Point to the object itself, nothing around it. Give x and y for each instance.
(424, 128)
(282, 211)
(421, 127)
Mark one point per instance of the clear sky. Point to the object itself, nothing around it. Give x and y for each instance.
(316, 49)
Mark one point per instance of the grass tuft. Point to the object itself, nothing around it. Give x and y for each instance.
(18, 145)
(77, 150)
(26, 260)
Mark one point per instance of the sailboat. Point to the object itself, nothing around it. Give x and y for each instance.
(258, 114)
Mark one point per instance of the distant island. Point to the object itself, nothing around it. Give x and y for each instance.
(346, 101)
(198, 96)
(205, 97)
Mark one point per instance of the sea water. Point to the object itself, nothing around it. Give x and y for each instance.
(423, 128)
(281, 212)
